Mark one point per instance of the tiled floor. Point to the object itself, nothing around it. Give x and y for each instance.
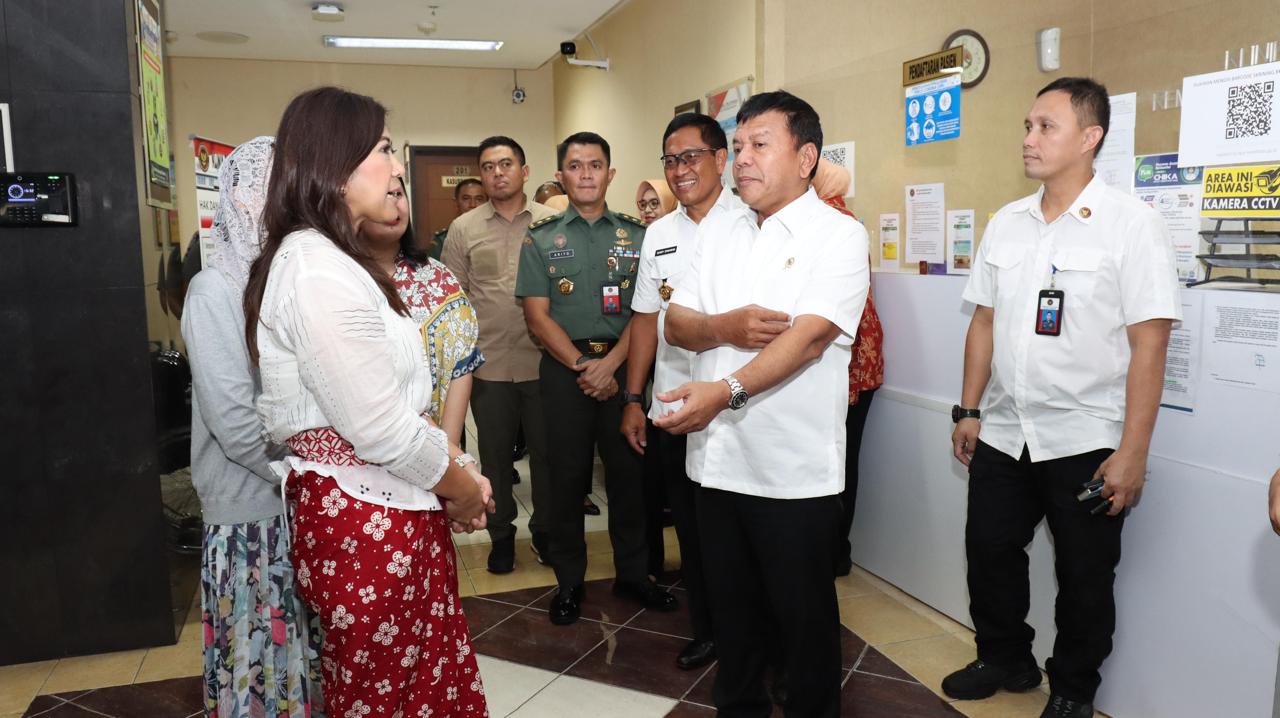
(618, 661)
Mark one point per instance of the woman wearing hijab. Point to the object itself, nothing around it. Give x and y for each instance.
(866, 372)
(435, 299)
(374, 483)
(653, 200)
(258, 650)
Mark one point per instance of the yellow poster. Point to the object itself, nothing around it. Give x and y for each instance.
(155, 119)
(1252, 192)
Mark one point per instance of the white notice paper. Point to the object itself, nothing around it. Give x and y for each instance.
(1231, 117)
(926, 224)
(890, 244)
(1115, 162)
(842, 154)
(1182, 363)
(1242, 343)
(959, 241)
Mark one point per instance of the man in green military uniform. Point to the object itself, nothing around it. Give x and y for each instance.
(577, 273)
(467, 195)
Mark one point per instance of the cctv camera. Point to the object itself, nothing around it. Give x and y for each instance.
(569, 48)
(517, 95)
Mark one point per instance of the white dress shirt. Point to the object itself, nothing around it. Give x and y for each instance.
(332, 352)
(1065, 395)
(669, 244)
(787, 442)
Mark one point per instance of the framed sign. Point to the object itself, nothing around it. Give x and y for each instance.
(155, 117)
(694, 106)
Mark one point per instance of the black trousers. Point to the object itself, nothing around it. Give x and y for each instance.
(854, 422)
(655, 500)
(768, 566)
(578, 427)
(500, 408)
(665, 454)
(1007, 499)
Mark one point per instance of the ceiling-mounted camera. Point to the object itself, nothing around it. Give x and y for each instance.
(570, 52)
(517, 95)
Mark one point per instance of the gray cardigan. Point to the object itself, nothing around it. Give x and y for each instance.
(229, 454)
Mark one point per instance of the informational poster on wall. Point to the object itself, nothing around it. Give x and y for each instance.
(1182, 362)
(1242, 342)
(1230, 117)
(841, 154)
(1241, 192)
(723, 104)
(155, 118)
(926, 224)
(1114, 162)
(959, 241)
(890, 242)
(1174, 192)
(933, 111)
(209, 156)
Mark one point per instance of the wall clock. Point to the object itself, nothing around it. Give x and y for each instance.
(977, 57)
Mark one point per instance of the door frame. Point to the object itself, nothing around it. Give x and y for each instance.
(412, 152)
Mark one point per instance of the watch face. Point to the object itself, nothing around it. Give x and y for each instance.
(977, 57)
(738, 400)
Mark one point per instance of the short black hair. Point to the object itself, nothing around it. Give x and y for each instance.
(457, 189)
(712, 133)
(582, 138)
(501, 141)
(802, 119)
(1089, 99)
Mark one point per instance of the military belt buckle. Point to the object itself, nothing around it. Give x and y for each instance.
(598, 347)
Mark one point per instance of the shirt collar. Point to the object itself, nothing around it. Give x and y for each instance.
(724, 203)
(488, 211)
(1083, 208)
(797, 212)
(571, 213)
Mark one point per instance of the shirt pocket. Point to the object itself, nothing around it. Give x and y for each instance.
(1078, 270)
(566, 279)
(1006, 263)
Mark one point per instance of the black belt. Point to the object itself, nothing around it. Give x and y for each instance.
(595, 347)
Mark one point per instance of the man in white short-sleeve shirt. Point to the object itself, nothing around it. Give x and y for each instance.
(1075, 292)
(770, 308)
(694, 154)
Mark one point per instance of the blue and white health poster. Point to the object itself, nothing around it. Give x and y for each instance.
(933, 111)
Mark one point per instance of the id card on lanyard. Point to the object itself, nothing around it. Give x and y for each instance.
(1049, 305)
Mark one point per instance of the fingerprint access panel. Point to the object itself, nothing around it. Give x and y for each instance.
(37, 199)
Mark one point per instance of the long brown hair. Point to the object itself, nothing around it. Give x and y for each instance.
(323, 137)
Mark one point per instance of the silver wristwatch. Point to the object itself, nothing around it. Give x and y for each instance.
(463, 459)
(737, 395)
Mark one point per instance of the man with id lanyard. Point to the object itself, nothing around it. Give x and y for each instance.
(1075, 292)
(576, 277)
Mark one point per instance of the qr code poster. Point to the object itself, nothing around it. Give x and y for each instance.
(1231, 117)
(841, 154)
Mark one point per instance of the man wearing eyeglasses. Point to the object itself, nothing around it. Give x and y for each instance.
(695, 152)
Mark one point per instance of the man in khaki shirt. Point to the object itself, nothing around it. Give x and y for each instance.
(483, 251)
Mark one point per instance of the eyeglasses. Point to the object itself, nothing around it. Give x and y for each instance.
(653, 205)
(688, 158)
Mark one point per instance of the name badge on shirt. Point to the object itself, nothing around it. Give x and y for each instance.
(560, 254)
(665, 251)
(1049, 312)
(610, 298)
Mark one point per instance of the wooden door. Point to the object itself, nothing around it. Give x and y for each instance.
(434, 173)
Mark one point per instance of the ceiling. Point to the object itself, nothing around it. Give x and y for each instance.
(531, 30)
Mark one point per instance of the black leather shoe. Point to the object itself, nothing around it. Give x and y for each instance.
(1060, 707)
(647, 594)
(696, 655)
(981, 680)
(515, 475)
(539, 546)
(566, 607)
(589, 508)
(502, 557)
